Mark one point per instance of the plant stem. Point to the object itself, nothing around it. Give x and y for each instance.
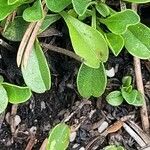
(62, 51)
(139, 82)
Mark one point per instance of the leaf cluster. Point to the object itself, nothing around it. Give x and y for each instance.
(90, 41)
(127, 93)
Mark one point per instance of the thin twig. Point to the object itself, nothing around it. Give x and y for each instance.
(31, 142)
(28, 39)
(62, 51)
(140, 87)
(32, 38)
(24, 42)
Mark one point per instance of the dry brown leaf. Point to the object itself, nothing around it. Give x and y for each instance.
(115, 127)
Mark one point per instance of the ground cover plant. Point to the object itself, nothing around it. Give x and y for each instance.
(96, 31)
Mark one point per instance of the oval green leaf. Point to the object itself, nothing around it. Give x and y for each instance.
(37, 74)
(80, 6)
(138, 1)
(130, 97)
(59, 137)
(17, 94)
(91, 81)
(87, 42)
(6, 9)
(11, 2)
(139, 100)
(3, 99)
(34, 13)
(114, 98)
(15, 29)
(115, 42)
(133, 98)
(103, 9)
(126, 81)
(137, 42)
(57, 5)
(120, 21)
(48, 20)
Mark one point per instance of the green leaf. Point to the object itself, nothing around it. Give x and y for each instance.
(91, 81)
(11, 2)
(130, 97)
(37, 73)
(34, 13)
(138, 1)
(115, 42)
(17, 94)
(126, 81)
(137, 42)
(1, 79)
(57, 5)
(80, 6)
(114, 98)
(15, 29)
(120, 21)
(133, 98)
(3, 99)
(87, 42)
(48, 20)
(103, 9)
(6, 9)
(128, 88)
(139, 99)
(59, 137)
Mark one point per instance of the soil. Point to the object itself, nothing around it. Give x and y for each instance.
(44, 111)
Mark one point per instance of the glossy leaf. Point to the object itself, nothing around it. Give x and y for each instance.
(3, 99)
(120, 21)
(6, 9)
(137, 42)
(91, 81)
(37, 74)
(57, 5)
(11, 2)
(139, 99)
(15, 29)
(133, 97)
(114, 98)
(17, 94)
(87, 42)
(59, 137)
(80, 6)
(126, 81)
(103, 9)
(115, 42)
(138, 1)
(48, 20)
(34, 13)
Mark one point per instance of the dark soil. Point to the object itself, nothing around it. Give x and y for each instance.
(44, 111)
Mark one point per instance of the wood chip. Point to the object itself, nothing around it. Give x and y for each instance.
(115, 127)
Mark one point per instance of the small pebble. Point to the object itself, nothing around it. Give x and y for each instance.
(75, 145)
(33, 129)
(73, 136)
(110, 73)
(17, 120)
(43, 106)
(82, 148)
(102, 127)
